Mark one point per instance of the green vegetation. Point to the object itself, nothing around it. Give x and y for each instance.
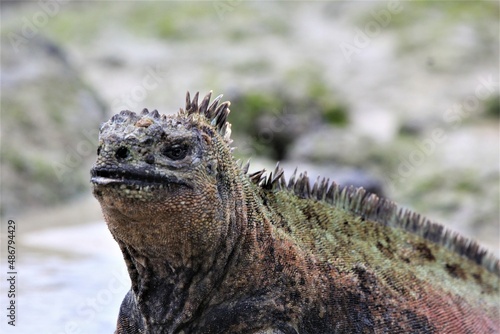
(493, 107)
(248, 122)
(273, 120)
(335, 114)
(319, 96)
(444, 13)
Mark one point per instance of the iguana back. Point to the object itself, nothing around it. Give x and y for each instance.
(386, 269)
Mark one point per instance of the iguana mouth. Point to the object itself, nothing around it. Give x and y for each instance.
(131, 177)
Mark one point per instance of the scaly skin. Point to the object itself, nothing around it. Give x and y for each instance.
(211, 249)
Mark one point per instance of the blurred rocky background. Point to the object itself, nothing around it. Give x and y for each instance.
(399, 97)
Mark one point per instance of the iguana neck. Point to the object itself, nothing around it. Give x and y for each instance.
(168, 294)
(166, 297)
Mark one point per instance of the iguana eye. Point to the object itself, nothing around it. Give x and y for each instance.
(176, 152)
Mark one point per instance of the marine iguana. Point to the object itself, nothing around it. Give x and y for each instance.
(212, 248)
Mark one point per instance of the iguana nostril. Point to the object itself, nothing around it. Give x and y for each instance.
(122, 152)
(99, 150)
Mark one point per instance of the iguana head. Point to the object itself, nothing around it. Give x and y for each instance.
(161, 181)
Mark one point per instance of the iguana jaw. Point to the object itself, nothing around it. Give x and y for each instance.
(132, 179)
(132, 185)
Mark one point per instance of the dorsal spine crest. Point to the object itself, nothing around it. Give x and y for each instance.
(215, 113)
(369, 206)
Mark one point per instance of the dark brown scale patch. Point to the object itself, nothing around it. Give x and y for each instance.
(347, 229)
(295, 296)
(384, 250)
(324, 224)
(486, 288)
(455, 271)
(418, 323)
(477, 278)
(394, 284)
(367, 281)
(424, 252)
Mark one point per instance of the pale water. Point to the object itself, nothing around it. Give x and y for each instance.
(70, 280)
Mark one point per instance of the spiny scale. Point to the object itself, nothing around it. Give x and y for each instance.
(155, 114)
(215, 113)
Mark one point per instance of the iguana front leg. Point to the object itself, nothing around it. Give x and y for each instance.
(129, 319)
